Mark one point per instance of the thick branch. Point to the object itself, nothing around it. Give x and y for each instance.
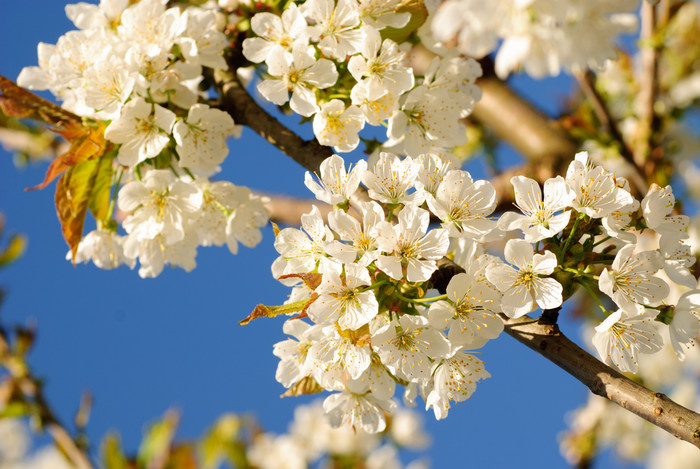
(245, 111)
(602, 380)
(648, 83)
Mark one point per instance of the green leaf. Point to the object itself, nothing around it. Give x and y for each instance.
(155, 446)
(419, 13)
(101, 193)
(111, 452)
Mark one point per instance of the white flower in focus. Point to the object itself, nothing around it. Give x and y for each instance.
(149, 27)
(685, 326)
(161, 204)
(363, 237)
(301, 251)
(87, 16)
(104, 248)
(657, 207)
(390, 179)
(408, 346)
(375, 111)
(630, 279)
(142, 129)
(336, 184)
(471, 313)
(343, 299)
(597, 193)
(380, 71)
(201, 42)
(275, 32)
(154, 254)
(538, 220)
(525, 286)
(201, 139)
(336, 28)
(292, 353)
(108, 84)
(454, 380)
(622, 336)
(463, 205)
(432, 171)
(357, 409)
(408, 246)
(299, 73)
(678, 260)
(338, 127)
(334, 360)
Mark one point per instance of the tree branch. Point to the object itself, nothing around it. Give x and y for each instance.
(604, 381)
(586, 81)
(648, 84)
(544, 338)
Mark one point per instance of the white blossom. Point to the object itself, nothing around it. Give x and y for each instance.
(623, 335)
(143, 130)
(538, 220)
(409, 247)
(630, 279)
(525, 284)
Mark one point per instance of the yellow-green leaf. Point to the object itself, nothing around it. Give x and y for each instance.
(101, 193)
(262, 311)
(14, 249)
(221, 441)
(111, 452)
(73, 194)
(155, 446)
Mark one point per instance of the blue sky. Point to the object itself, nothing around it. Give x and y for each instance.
(143, 346)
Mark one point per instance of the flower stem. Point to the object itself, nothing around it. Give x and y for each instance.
(600, 303)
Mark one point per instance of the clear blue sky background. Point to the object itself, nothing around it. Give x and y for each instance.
(143, 346)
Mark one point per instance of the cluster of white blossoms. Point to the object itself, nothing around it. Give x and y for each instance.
(362, 280)
(328, 60)
(138, 66)
(541, 36)
(311, 439)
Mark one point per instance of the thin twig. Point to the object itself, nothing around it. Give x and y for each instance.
(586, 81)
(648, 84)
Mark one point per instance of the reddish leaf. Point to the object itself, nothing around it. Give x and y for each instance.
(15, 101)
(73, 194)
(312, 280)
(86, 143)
